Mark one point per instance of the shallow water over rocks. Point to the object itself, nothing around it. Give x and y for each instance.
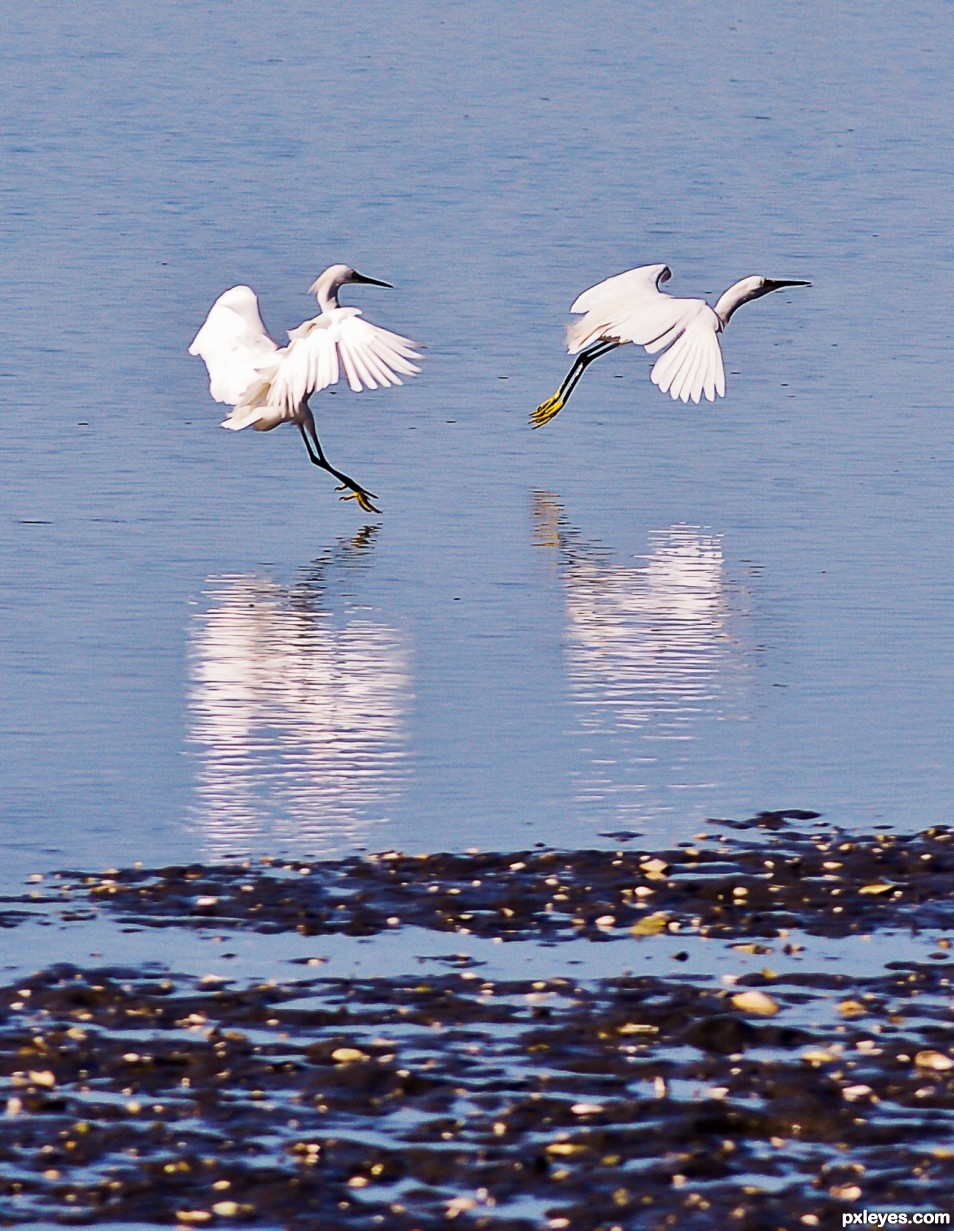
(761, 1088)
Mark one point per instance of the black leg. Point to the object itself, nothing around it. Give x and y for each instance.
(316, 455)
(552, 406)
(583, 361)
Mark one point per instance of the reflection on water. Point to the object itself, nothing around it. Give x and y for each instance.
(652, 654)
(299, 701)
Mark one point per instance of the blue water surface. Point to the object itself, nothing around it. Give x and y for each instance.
(639, 617)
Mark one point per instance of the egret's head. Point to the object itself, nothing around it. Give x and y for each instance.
(327, 285)
(750, 288)
(777, 284)
(756, 286)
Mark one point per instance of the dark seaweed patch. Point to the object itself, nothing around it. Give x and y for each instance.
(825, 883)
(448, 1098)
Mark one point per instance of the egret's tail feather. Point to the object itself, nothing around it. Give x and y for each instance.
(547, 410)
(583, 333)
(235, 425)
(242, 416)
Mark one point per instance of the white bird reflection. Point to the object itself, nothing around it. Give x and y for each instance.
(299, 701)
(654, 660)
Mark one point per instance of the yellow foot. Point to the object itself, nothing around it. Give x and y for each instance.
(546, 411)
(358, 493)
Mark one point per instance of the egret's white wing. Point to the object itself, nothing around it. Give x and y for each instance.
(372, 356)
(335, 343)
(630, 308)
(626, 288)
(692, 366)
(234, 344)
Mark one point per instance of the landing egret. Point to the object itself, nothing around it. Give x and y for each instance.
(630, 307)
(267, 384)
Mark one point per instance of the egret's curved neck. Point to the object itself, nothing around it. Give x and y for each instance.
(738, 293)
(325, 289)
(327, 297)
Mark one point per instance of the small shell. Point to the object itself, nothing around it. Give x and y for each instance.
(756, 1002)
(936, 1060)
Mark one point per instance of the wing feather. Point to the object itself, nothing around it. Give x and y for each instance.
(628, 287)
(394, 358)
(233, 343)
(347, 363)
(323, 367)
(684, 385)
(692, 366)
(665, 368)
(378, 369)
(292, 380)
(630, 307)
(313, 357)
(277, 381)
(359, 355)
(373, 355)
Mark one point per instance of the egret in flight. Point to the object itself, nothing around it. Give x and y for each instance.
(630, 307)
(267, 384)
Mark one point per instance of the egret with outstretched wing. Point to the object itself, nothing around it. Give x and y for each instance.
(267, 384)
(630, 307)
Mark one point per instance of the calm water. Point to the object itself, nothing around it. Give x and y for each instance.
(639, 617)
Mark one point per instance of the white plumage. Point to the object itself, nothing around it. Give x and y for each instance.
(267, 384)
(234, 344)
(630, 307)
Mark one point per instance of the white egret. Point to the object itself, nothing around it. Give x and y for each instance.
(267, 384)
(630, 307)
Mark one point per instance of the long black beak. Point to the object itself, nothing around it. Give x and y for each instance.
(776, 284)
(356, 277)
